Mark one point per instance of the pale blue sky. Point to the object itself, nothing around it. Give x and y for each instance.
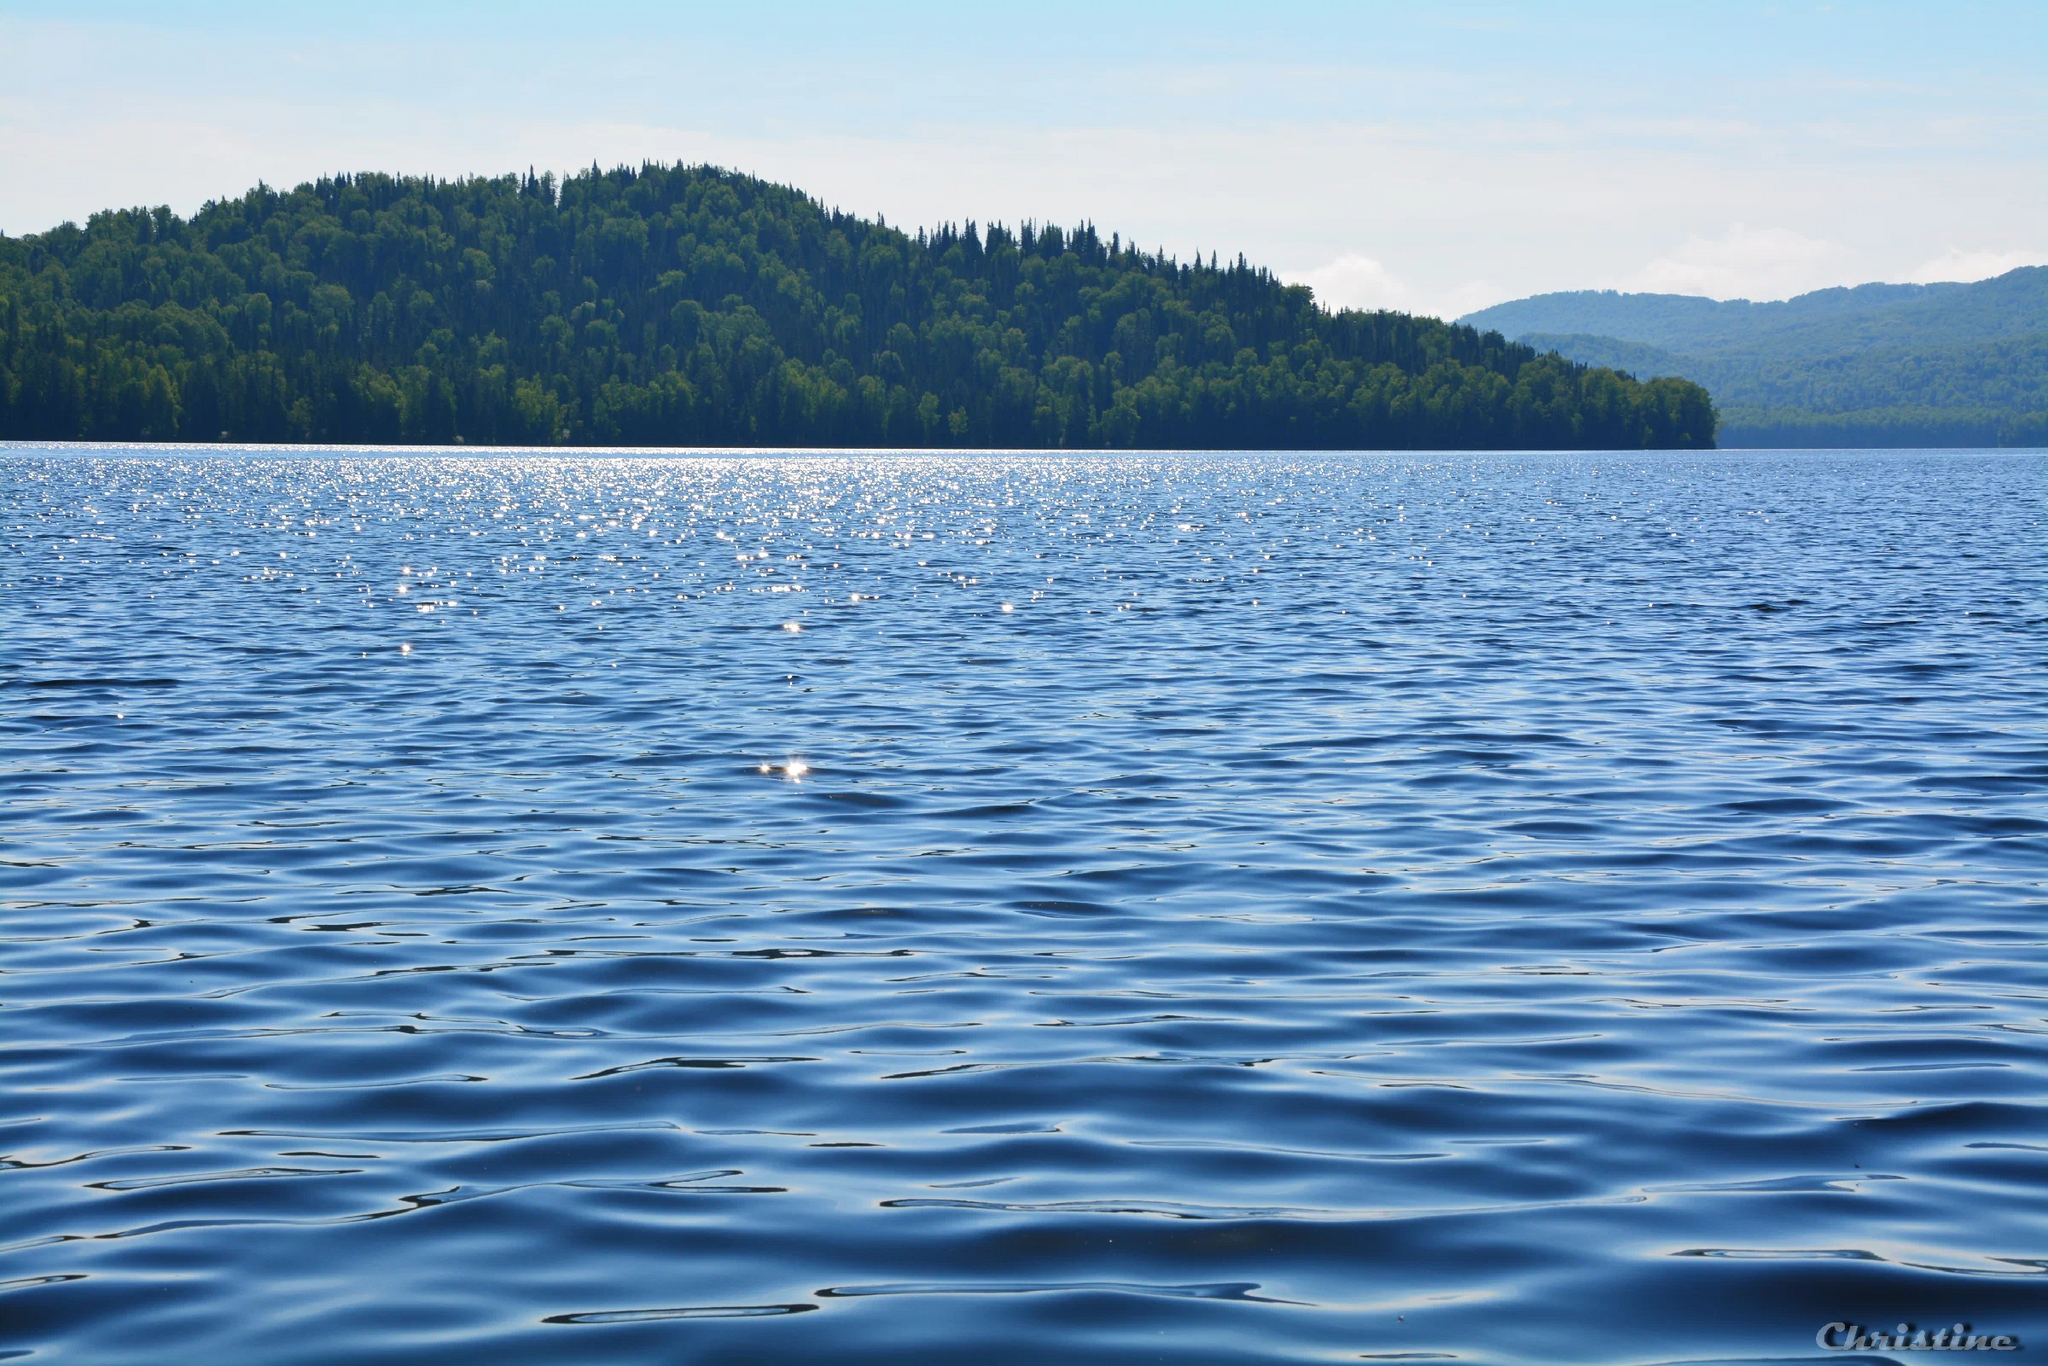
(1436, 157)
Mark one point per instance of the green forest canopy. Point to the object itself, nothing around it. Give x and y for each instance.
(1877, 365)
(688, 306)
(1992, 393)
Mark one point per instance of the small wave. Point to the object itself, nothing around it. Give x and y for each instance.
(696, 1311)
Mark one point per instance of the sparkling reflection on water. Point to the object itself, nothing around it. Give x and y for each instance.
(887, 908)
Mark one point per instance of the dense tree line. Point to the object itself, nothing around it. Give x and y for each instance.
(1881, 427)
(693, 306)
(1877, 365)
(1980, 393)
(2007, 376)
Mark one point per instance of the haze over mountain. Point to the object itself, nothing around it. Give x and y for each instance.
(1879, 364)
(687, 305)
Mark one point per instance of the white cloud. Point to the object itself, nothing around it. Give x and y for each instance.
(1470, 297)
(1353, 282)
(1956, 264)
(1386, 160)
(1744, 263)
(1360, 282)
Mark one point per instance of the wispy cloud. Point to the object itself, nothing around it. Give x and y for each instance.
(1388, 157)
(1744, 263)
(1956, 264)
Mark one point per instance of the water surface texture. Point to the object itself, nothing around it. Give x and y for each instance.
(876, 909)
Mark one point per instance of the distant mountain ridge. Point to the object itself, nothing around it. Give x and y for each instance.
(1877, 364)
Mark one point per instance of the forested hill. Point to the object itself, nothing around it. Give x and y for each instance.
(1877, 365)
(1826, 322)
(693, 306)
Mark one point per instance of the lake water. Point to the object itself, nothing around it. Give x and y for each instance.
(885, 909)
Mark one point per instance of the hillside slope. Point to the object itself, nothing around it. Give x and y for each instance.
(1947, 365)
(694, 306)
(1824, 322)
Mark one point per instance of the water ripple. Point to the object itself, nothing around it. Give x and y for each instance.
(1221, 909)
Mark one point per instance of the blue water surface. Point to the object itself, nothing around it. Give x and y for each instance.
(1013, 908)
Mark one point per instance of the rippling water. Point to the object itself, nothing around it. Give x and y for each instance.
(1203, 909)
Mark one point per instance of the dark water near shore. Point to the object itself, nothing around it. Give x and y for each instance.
(1201, 909)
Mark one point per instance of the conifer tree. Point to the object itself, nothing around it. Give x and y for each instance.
(688, 305)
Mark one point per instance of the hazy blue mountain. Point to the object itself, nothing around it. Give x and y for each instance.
(1819, 323)
(1637, 358)
(2009, 374)
(1947, 364)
